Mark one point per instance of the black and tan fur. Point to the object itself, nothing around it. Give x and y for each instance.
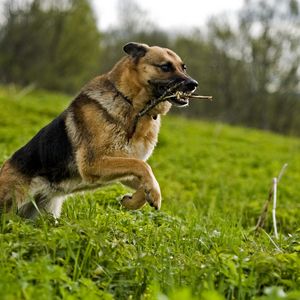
(87, 146)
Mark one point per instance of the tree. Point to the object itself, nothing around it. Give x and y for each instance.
(54, 44)
(269, 37)
(133, 25)
(251, 69)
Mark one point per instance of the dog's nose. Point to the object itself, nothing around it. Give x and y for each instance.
(191, 84)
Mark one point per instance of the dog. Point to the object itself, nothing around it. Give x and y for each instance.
(87, 146)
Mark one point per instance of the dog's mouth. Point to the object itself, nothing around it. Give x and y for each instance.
(181, 98)
(177, 92)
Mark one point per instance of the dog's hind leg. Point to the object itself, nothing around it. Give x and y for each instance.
(29, 210)
(6, 200)
(13, 187)
(53, 206)
(40, 205)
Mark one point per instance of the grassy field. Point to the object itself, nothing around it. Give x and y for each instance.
(201, 245)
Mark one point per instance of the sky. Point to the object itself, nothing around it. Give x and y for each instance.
(169, 14)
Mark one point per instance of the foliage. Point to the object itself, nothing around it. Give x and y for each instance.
(251, 68)
(214, 179)
(52, 44)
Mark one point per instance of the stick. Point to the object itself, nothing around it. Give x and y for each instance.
(193, 96)
(164, 97)
(149, 105)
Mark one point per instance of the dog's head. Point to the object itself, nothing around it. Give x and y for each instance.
(160, 69)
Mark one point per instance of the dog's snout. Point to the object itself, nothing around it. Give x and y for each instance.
(191, 84)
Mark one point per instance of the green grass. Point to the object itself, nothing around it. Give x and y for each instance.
(214, 180)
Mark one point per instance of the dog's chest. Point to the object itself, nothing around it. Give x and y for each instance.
(144, 139)
(141, 150)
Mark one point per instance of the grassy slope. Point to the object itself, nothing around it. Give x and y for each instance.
(214, 180)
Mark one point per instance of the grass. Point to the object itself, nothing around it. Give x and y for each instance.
(214, 180)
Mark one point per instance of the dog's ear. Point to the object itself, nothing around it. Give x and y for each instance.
(136, 50)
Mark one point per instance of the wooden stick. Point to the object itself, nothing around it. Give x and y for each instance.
(193, 96)
(164, 97)
(150, 105)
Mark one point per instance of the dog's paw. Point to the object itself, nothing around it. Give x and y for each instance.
(153, 197)
(136, 201)
(125, 200)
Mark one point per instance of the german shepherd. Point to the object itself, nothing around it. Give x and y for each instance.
(87, 146)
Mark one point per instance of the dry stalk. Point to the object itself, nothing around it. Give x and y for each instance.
(276, 246)
(275, 181)
(272, 194)
(261, 220)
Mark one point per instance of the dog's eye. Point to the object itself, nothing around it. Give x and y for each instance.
(166, 67)
(184, 67)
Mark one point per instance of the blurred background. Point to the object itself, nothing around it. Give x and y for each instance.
(244, 53)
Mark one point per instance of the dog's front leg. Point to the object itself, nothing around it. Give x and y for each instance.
(138, 199)
(117, 168)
